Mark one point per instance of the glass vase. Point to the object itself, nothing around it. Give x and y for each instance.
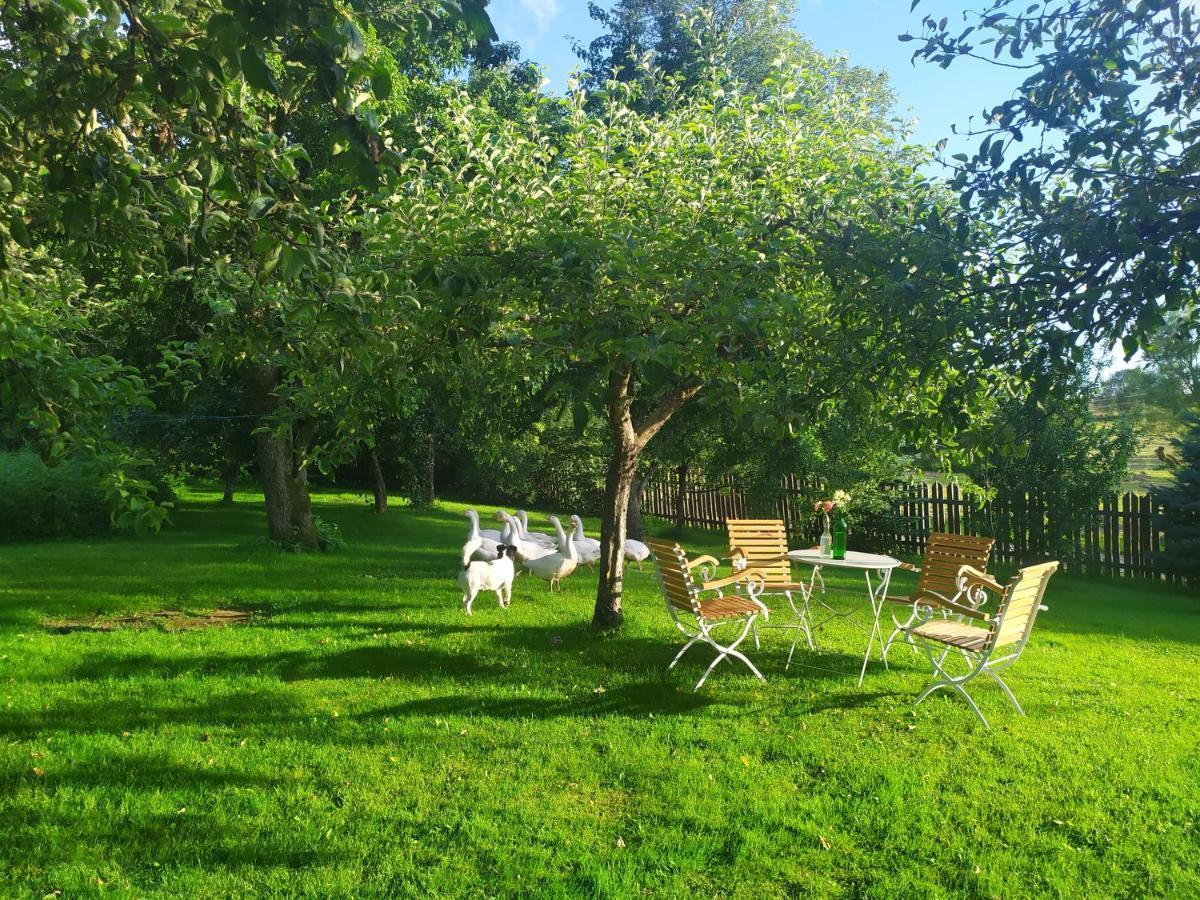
(826, 540)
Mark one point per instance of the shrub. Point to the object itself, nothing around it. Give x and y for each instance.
(1181, 502)
(75, 497)
(41, 501)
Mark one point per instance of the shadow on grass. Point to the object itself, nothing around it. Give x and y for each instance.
(359, 662)
(115, 715)
(144, 771)
(631, 701)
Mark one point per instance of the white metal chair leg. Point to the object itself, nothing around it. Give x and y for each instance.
(1007, 692)
(682, 650)
(951, 681)
(727, 651)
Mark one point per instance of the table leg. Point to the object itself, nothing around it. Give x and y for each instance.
(876, 595)
(802, 615)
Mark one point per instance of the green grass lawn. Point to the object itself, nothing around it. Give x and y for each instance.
(362, 736)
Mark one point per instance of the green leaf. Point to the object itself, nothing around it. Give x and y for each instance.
(1118, 89)
(258, 73)
(381, 83)
(354, 45)
(260, 206)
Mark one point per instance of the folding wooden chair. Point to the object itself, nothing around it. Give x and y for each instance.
(988, 651)
(762, 544)
(683, 594)
(937, 583)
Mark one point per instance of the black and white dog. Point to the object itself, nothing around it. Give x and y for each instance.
(493, 575)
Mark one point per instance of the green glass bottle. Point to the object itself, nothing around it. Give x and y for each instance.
(839, 536)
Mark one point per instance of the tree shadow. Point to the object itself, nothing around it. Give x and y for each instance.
(147, 771)
(631, 701)
(236, 710)
(358, 662)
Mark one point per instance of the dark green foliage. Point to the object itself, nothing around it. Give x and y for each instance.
(1056, 451)
(1090, 169)
(552, 465)
(40, 501)
(329, 535)
(1182, 504)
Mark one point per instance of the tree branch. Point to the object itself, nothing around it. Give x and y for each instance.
(670, 405)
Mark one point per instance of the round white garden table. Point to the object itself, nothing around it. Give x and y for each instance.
(877, 590)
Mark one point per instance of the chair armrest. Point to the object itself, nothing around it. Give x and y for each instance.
(969, 611)
(702, 560)
(755, 580)
(969, 576)
(738, 555)
(909, 567)
(735, 578)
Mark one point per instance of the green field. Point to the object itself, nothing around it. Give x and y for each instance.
(361, 736)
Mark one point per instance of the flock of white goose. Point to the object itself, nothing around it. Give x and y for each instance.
(549, 557)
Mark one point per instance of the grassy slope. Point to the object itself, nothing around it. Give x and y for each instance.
(365, 735)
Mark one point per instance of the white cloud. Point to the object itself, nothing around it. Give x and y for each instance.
(542, 10)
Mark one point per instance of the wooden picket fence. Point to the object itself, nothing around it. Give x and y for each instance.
(1125, 536)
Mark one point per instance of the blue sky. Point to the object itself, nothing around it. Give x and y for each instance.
(865, 30)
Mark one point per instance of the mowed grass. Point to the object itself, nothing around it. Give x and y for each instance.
(363, 737)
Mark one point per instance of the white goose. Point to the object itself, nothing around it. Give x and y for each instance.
(512, 535)
(477, 546)
(589, 548)
(558, 565)
(636, 551)
(535, 537)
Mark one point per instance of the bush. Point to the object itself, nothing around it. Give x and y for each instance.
(76, 497)
(41, 501)
(1181, 506)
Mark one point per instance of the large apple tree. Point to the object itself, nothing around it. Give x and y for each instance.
(741, 237)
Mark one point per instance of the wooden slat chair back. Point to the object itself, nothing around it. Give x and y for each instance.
(1018, 610)
(678, 586)
(937, 578)
(988, 651)
(697, 607)
(761, 543)
(945, 554)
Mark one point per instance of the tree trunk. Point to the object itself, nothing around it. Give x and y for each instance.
(377, 481)
(229, 474)
(633, 515)
(283, 476)
(681, 498)
(430, 494)
(617, 489)
(628, 442)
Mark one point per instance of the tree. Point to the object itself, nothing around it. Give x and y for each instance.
(151, 152)
(1182, 504)
(1090, 171)
(739, 236)
(1173, 355)
(60, 397)
(1053, 449)
(678, 37)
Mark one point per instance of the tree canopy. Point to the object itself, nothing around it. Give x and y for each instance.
(1091, 170)
(154, 168)
(741, 237)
